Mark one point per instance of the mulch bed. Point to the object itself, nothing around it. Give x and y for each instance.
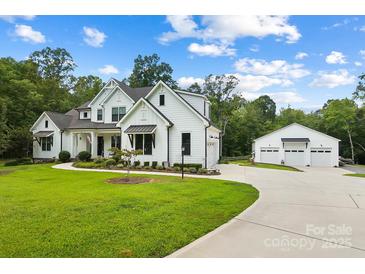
(5, 171)
(130, 180)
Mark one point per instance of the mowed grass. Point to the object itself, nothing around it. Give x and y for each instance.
(355, 175)
(45, 212)
(263, 165)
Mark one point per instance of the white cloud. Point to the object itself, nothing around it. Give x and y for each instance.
(362, 29)
(362, 53)
(336, 57)
(108, 69)
(13, 18)
(253, 83)
(224, 30)
(211, 50)
(27, 34)
(93, 37)
(358, 64)
(185, 82)
(254, 48)
(279, 68)
(333, 79)
(282, 97)
(301, 55)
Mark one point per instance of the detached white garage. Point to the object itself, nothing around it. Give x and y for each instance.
(297, 145)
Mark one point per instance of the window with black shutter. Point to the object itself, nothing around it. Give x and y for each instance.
(185, 143)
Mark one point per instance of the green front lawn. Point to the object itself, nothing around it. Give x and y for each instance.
(356, 175)
(46, 212)
(263, 165)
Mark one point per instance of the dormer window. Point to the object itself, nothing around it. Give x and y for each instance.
(46, 124)
(162, 99)
(85, 114)
(118, 113)
(100, 115)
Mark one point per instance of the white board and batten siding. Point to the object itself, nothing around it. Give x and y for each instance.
(320, 150)
(185, 121)
(144, 115)
(55, 148)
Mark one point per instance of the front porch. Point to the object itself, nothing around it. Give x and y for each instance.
(97, 142)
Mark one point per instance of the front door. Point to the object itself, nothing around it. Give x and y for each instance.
(100, 146)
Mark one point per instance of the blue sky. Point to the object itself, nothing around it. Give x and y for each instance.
(298, 60)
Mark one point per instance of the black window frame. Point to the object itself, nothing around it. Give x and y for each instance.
(186, 143)
(99, 114)
(46, 123)
(116, 141)
(138, 143)
(85, 114)
(119, 115)
(46, 143)
(162, 99)
(147, 144)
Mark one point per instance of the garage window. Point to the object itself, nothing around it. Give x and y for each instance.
(320, 151)
(327, 151)
(294, 150)
(269, 151)
(300, 150)
(287, 150)
(263, 150)
(275, 150)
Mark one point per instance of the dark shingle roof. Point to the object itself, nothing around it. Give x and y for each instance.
(140, 129)
(84, 105)
(70, 120)
(134, 93)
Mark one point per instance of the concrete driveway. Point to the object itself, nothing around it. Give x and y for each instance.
(315, 213)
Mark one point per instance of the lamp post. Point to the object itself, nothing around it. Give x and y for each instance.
(182, 162)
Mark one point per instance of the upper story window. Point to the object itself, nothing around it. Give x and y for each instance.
(46, 124)
(186, 143)
(162, 99)
(85, 114)
(118, 113)
(99, 115)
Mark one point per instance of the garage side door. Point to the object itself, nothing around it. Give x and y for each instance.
(294, 157)
(321, 157)
(269, 155)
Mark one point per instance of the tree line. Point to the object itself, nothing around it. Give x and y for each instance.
(46, 81)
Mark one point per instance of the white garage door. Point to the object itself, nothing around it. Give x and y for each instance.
(269, 155)
(321, 156)
(294, 157)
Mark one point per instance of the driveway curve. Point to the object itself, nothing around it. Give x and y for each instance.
(315, 213)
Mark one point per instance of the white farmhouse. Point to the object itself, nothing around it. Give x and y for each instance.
(158, 120)
(297, 145)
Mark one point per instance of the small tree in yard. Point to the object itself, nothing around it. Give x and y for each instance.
(126, 155)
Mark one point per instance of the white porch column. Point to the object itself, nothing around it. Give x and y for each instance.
(94, 145)
(72, 145)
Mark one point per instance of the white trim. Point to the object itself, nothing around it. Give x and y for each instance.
(300, 126)
(112, 93)
(38, 120)
(136, 105)
(214, 128)
(191, 93)
(205, 122)
(102, 90)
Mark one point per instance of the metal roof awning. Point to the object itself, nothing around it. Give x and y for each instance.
(40, 134)
(295, 140)
(141, 129)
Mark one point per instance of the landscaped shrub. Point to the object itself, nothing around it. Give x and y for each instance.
(84, 156)
(138, 167)
(146, 164)
(85, 165)
(11, 163)
(202, 171)
(176, 168)
(64, 156)
(99, 160)
(192, 170)
(110, 162)
(136, 163)
(159, 168)
(154, 164)
(121, 165)
(147, 168)
(116, 157)
(197, 166)
(170, 169)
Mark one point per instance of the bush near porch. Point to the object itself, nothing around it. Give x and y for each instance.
(49, 212)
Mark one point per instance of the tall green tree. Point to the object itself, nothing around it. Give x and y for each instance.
(267, 106)
(4, 129)
(195, 88)
(221, 91)
(148, 70)
(340, 115)
(359, 93)
(54, 64)
(85, 88)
